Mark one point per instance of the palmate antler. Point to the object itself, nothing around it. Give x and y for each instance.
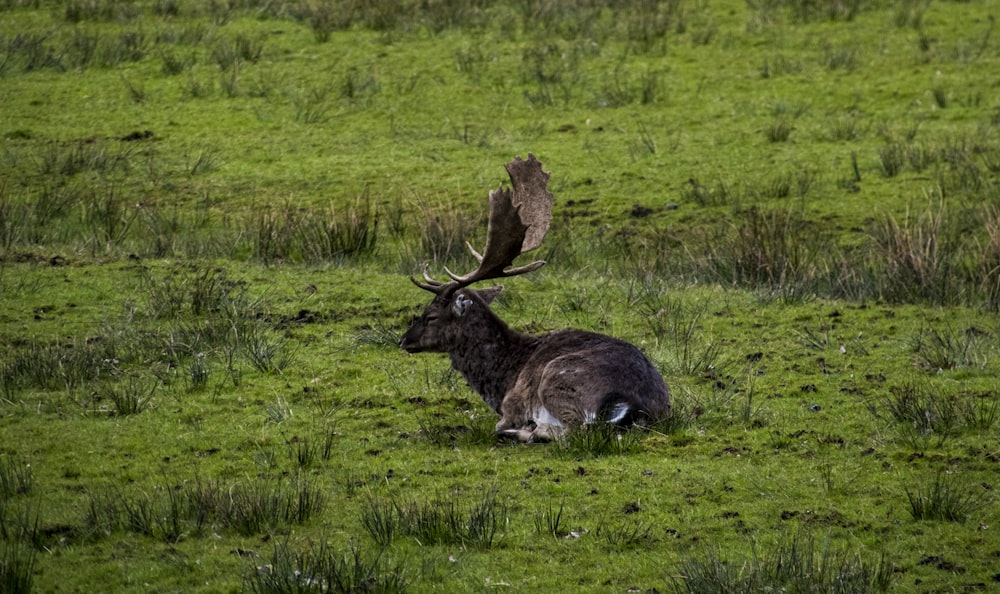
(517, 224)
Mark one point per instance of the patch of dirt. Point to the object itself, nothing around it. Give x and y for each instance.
(939, 562)
(137, 135)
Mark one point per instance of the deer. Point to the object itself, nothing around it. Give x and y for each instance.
(542, 386)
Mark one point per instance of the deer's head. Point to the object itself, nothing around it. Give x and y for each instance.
(517, 223)
(447, 318)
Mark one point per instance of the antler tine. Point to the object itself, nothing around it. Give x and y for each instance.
(431, 281)
(475, 254)
(430, 284)
(517, 224)
(468, 279)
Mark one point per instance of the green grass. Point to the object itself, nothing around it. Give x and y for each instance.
(943, 500)
(208, 212)
(325, 569)
(797, 564)
(440, 520)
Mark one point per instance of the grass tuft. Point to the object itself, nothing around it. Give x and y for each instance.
(549, 521)
(337, 235)
(938, 350)
(892, 159)
(324, 569)
(766, 250)
(296, 235)
(600, 439)
(16, 477)
(988, 262)
(265, 351)
(680, 327)
(923, 413)
(66, 366)
(229, 54)
(943, 500)
(780, 130)
(131, 396)
(445, 520)
(913, 258)
(798, 564)
(17, 566)
(169, 512)
(458, 428)
(719, 194)
(627, 534)
(305, 453)
(443, 237)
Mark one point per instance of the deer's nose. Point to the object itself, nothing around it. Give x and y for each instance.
(408, 345)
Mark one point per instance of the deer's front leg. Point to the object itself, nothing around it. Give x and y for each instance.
(513, 422)
(514, 407)
(530, 424)
(523, 434)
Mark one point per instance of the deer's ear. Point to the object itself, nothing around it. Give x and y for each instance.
(461, 305)
(490, 294)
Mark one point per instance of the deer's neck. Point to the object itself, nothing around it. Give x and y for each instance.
(491, 360)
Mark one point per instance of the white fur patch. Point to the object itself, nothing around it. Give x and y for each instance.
(542, 416)
(461, 305)
(618, 412)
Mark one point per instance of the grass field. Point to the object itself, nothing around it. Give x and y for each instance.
(209, 211)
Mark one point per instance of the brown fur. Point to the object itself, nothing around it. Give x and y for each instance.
(540, 385)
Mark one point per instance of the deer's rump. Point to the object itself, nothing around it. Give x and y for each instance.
(580, 377)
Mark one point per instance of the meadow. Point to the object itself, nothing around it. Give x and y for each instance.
(209, 212)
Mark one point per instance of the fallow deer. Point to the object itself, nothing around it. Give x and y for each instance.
(542, 386)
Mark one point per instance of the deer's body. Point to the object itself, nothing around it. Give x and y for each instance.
(542, 386)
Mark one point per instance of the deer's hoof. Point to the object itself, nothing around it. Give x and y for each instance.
(522, 434)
